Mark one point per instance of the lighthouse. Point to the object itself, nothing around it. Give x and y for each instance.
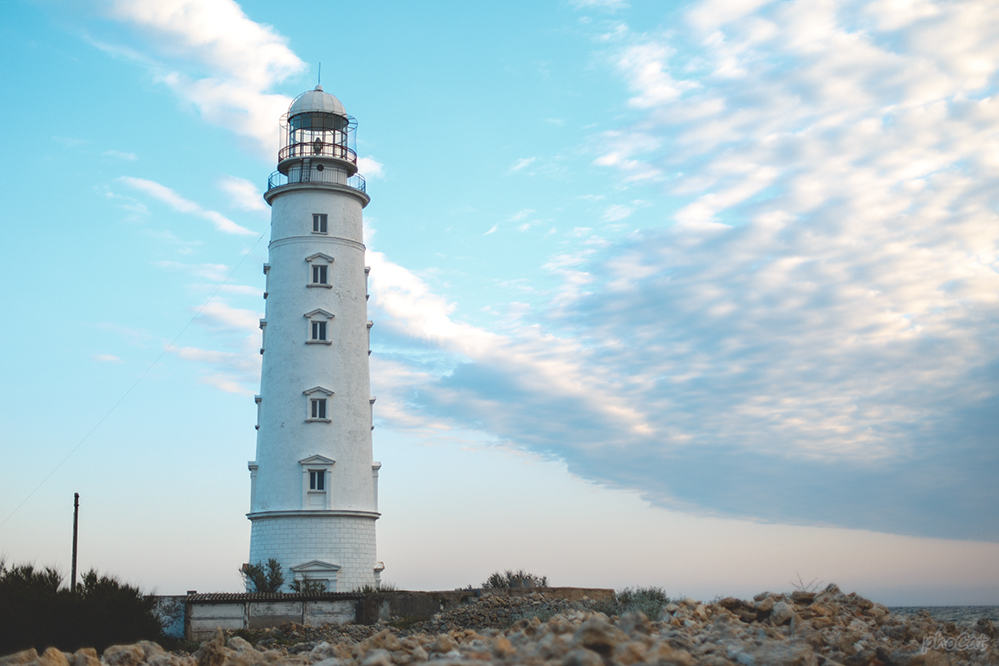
(314, 484)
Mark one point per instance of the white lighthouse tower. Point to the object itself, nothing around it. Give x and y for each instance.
(314, 486)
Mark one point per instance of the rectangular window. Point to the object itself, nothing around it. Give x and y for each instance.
(317, 479)
(319, 408)
(319, 275)
(319, 223)
(319, 330)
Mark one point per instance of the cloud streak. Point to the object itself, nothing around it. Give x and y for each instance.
(182, 205)
(809, 339)
(244, 60)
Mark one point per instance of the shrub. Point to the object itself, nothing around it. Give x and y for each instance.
(307, 586)
(263, 578)
(519, 578)
(37, 611)
(649, 600)
(380, 588)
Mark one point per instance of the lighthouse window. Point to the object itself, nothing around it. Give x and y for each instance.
(319, 330)
(319, 408)
(319, 223)
(317, 479)
(319, 274)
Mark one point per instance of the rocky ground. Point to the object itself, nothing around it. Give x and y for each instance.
(803, 629)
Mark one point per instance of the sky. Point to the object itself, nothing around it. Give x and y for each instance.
(700, 295)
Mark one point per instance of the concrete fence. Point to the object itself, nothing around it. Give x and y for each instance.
(195, 616)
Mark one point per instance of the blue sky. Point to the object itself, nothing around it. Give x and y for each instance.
(700, 294)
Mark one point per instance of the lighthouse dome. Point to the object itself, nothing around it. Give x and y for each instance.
(316, 100)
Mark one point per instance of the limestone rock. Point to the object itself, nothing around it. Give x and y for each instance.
(781, 613)
(383, 640)
(930, 658)
(599, 635)
(765, 604)
(442, 645)
(828, 629)
(124, 655)
(635, 622)
(582, 657)
(502, 647)
(86, 657)
(212, 652)
(53, 657)
(377, 657)
(23, 657)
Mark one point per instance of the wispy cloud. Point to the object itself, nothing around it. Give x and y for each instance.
(229, 371)
(617, 212)
(107, 358)
(522, 163)
(128, 157)
(811, 338)
(369, 167)
(182, 205)
(243, 194)
(610, 5)
(216, 272)
(234, 365)
(244, 59)
(70, 142)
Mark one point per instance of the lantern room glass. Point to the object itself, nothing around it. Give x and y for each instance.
(318, 134)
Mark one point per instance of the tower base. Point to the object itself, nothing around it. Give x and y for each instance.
(337, 548)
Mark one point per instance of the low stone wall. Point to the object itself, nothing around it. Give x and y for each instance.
(196, 616)
(205, 612)
(424, 605)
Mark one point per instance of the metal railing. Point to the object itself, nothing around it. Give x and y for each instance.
(318, 149)
(315, 175)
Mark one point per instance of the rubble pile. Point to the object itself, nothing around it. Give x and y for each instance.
(802, 629)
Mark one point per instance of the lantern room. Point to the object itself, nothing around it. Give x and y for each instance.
(317, 128)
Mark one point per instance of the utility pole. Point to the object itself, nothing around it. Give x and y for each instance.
(76, 522)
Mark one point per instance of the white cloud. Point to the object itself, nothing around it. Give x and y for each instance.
(107, 358)
(234, 366)
(235, 106)
(219, 314)
(128, 157)
(522, 163)
(617, 212)
(646, 67)
(217, 34)
(610, 5)
(243, 194)
(229, 371)
(811, 339)
(369, 167)
(541, 362)
(245, 60)
(180, 204)
(216, 272)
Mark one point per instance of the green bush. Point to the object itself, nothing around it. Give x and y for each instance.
(37, 611)
(263, 577)
(649, 600)
(380, 588)
(519, 578)
(306, 586)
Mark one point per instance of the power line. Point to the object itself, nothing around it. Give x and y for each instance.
(136, 383)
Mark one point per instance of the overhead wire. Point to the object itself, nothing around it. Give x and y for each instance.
(135, 383)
